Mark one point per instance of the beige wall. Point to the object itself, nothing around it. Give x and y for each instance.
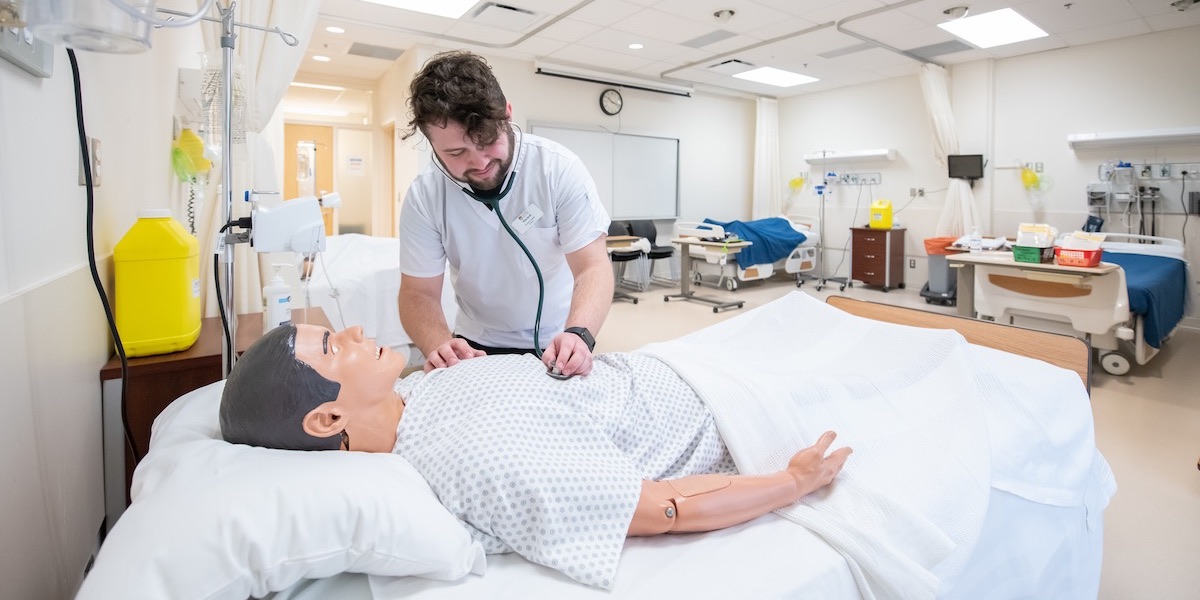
(55, 334)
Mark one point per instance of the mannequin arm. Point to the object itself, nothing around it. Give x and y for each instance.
(710, 502)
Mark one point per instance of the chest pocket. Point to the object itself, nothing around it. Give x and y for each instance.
(543, 244)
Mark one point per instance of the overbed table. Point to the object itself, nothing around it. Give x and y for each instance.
(685, 264)
(965, 265)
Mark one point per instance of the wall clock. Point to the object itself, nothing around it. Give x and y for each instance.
(611, 101)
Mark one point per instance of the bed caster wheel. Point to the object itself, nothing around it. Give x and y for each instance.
(819, 286)
(697, 278)
(1115, 363)
(841, 288)
(730, 284)
(900, 285)
(886, 289)
(635, 300)
(716, 310)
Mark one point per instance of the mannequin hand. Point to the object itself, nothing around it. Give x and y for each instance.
(812, 469)
(450, 353)
(569, 352)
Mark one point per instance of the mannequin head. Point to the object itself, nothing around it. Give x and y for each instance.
(268, 393)
(304, 387)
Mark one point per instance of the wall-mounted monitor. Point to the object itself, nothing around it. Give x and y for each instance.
(965, 166)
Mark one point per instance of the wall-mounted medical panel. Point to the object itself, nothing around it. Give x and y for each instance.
(18, 46)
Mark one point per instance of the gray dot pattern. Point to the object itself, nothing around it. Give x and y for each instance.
(553, 469)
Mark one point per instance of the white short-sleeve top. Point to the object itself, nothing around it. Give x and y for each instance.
(495, 285)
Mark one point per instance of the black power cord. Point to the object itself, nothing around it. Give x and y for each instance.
(91, 251)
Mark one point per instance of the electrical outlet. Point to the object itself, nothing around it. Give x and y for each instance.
(912, 263)
(1037, 167)
(920, 192)
(94, 155)
(1164, 171)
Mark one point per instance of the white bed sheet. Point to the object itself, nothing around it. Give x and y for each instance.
(1026, 550)
(356, 282)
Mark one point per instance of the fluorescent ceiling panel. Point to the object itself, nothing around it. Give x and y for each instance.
(451, 9)
(775, 77)
(995, 28)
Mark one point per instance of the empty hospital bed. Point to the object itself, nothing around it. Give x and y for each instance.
(1125, 312)
(356, 281)
(787, 243)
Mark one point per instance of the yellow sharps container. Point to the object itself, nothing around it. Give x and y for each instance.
(881, 214)
(157, 296)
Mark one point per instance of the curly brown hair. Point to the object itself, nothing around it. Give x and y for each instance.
(457, 86)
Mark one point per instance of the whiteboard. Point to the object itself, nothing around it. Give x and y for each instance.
(637, 176)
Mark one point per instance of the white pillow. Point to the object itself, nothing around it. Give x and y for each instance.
(211, 519)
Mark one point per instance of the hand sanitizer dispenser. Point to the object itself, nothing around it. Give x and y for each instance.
(277, 302)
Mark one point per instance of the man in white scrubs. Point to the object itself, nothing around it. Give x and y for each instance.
(489, 185)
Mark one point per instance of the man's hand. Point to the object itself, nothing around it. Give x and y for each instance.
(569, 353)
(812, 469)
(450, 353)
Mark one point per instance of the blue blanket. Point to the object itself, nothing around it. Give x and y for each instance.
(771, 239)
(1157, 290)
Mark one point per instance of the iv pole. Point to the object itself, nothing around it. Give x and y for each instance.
(225, 243)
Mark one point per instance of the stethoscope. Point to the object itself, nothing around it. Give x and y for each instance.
(493, 204)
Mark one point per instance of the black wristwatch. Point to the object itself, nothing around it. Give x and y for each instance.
(585, 335)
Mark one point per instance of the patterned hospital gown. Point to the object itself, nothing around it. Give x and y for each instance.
(553, 469)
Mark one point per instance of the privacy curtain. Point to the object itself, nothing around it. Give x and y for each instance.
(767, 198)
(264, 65)
(959, 214)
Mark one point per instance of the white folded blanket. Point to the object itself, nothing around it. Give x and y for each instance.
(918, 408)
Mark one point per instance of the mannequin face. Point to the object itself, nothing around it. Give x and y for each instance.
(366, 372)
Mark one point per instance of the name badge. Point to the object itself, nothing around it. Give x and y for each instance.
(527, 219)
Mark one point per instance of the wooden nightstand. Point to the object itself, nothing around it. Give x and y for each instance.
(155, 382)
(877, 257)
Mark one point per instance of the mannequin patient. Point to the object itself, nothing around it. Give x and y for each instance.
(558, 471)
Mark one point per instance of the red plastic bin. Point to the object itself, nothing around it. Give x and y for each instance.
(1077, 258)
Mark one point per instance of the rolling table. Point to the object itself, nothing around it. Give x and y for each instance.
(685, 265)
(965, 263)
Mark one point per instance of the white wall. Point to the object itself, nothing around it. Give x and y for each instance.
(716, 133)
(1012, 111)
(55, 335)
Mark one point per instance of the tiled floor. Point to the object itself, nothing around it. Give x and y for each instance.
(1147, 426)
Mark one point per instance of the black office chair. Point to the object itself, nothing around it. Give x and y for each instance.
(620, 258)
(646, 229)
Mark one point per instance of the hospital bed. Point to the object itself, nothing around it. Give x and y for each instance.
(356, 281)
(215, 520)
(792, 250)
(1127, 307)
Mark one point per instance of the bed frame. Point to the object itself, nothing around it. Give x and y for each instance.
(1060, 350)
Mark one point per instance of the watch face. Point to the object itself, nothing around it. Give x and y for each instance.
(610, 101)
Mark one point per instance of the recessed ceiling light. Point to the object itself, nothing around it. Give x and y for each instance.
(451, 9)
(636, 46)
(317, 86)
(332, 29)
(775, 77)
(321, 58)
(996, 28)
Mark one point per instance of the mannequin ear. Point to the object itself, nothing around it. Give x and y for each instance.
(324, 420)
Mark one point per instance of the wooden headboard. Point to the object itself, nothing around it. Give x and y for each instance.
(1060, 350)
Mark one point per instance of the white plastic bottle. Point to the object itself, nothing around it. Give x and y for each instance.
(277, 302)
(975, 242)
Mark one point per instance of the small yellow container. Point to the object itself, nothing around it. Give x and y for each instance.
(157, 295)
(881, 214)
